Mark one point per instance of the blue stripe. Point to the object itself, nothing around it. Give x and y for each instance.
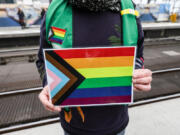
(58, 40)
(64, 78)
(101, 92)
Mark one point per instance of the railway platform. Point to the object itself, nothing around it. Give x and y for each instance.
(159, 118)
(34, 31)
(160, 25)
(163, 33)
(16, 32)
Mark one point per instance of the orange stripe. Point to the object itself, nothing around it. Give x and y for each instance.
(60, 32)
(58, 29)
(101, 62)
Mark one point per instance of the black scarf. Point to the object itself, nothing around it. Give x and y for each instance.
(97, 5)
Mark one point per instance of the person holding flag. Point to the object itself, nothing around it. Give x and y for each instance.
(93, 23)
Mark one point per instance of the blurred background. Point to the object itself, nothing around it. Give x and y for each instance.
(21, 113)
(150, 11)
(32, 10)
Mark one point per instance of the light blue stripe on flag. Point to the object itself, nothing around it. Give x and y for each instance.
(62, 76)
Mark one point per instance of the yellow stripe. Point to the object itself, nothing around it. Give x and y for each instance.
(58, 31)
(59, 34)
(106, 72)
(130, 11)
(97, 62)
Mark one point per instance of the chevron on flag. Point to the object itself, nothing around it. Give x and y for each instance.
(90, 76)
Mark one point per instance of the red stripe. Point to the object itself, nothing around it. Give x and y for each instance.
(58, 29)
(98, 100)
(95, 52)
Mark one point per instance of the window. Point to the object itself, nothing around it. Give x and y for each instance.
(6, 1)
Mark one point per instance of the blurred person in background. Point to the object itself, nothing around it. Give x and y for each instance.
(43, 11)
(21, 16)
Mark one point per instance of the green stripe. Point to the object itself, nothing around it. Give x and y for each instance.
(106, 82)
(58, 37)
(106, 72)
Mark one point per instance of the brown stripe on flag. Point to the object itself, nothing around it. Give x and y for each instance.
(72, 78)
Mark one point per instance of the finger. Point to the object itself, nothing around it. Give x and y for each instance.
(145, 80)
(135, 89)
(141, 73)
(44, 98)
(141, 87)
(45, 90)
(57, 108)
(47, 104)
(47, 108)
(53, 108)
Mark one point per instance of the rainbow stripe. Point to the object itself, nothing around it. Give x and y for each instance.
(57, 35)
(107, 73)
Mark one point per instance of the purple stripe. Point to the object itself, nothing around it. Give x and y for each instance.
(55, 40)
(98, 100)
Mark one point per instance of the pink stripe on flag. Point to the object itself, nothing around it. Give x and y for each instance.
(56, 80)
(98, 100)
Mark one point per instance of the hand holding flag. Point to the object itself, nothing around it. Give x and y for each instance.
(45, 100)
(142, 79)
